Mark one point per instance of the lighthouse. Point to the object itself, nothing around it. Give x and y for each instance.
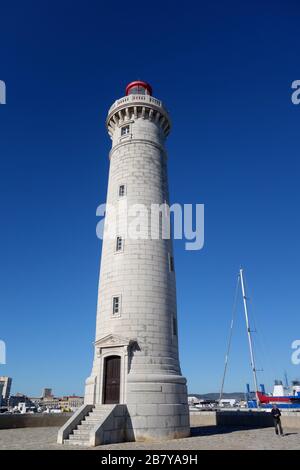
(136, 383)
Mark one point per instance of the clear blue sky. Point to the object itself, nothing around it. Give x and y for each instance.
(224, 70)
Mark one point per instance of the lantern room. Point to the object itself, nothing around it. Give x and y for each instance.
(138, 88)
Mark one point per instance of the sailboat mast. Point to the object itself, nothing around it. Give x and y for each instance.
(249, 335)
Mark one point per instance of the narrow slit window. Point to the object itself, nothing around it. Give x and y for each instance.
(122, 190)
(119, 244)
(171, 263)
(116, 305)
(125, 130)
(160, 226)
(174, 326)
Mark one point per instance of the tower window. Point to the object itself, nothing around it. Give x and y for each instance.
(122, 190)
(174, 326)
(116, 305)
(119, 244)
(125, 130)
(171, 263)
(160, 225)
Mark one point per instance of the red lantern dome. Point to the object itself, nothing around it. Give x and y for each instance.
(138, 88)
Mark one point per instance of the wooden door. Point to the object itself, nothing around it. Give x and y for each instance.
(112, 369)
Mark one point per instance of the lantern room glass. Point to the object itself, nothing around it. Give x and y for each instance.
(138, 90)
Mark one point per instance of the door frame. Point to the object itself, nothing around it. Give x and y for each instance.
(112, 345)
(105, 359)
(103, 353)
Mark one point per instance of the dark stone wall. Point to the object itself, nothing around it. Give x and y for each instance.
(38, 420)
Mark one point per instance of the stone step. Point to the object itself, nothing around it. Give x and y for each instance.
(93, 419)
(78, 437)
(98, 412)
(93, 422)
(76, 443)
(81, 432)
(99, 406)
(88, 423)
(85, 426)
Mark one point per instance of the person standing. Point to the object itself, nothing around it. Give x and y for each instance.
(275, 412)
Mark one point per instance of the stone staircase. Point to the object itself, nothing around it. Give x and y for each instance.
(80, 436)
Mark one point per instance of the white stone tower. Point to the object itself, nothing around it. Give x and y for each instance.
(136, 359)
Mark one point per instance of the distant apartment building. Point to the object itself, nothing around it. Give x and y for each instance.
(47, 393)
(5, 386)
(48, 400)
(71, 402)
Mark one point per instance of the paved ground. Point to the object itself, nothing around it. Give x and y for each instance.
(204, 438)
